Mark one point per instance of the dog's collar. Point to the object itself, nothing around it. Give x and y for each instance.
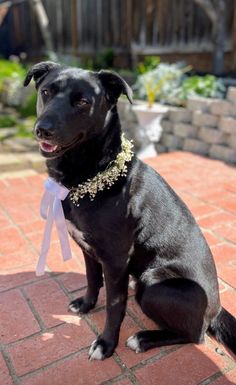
(105, 179)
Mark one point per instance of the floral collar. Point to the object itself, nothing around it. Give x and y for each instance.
(105, 179)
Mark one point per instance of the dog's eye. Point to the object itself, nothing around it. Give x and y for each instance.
(45, 92)
(80, 102)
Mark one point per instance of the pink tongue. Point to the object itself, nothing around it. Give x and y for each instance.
(48, 147)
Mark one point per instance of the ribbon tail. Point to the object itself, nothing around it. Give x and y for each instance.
(62, 229)
(45, 202)
(46, 240)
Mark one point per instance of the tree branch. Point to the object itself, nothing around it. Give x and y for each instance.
(209, 8)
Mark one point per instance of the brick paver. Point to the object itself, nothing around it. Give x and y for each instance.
(42, 344)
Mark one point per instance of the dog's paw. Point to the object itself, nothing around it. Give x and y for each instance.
(101, 349)
(134, 343)
(79, 305)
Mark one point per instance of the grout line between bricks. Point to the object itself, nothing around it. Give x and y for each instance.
(33, 310)
(136, 319)
(227, 285)
(52, 364)
(220, 237)
(215, 376)
(49, 329)
(209, 380)
(24, 284)
(121, 377)
(9, 365)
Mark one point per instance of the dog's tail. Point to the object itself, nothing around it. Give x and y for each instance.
(223, 328)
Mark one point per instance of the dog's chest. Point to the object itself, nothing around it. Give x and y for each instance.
(79, 237)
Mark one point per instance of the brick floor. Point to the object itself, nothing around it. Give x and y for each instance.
(42, 344)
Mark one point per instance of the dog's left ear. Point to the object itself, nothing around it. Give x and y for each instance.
(114, 86)
(39, 71)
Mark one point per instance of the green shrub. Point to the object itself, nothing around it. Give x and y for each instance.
(196, 86)
(23, 131)
(7, 121)
(29, 107)
(207, 86)
(149, 63)
(11, 69)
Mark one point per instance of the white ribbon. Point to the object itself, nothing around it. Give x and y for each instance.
(51, 210)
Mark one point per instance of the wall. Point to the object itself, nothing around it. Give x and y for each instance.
(206, 127)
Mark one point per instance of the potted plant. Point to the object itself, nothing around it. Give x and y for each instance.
(154, 85)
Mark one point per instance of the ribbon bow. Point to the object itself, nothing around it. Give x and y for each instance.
(51, 210)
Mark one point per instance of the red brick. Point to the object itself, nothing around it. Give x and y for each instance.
(202, 210)
(189, 365)
(18, 196)
(51, 346)
(188, 199)
(50, 302)
(73, 281)
(215, 220)
(76, 370)
(17, 321)
(4, 220)
(228, 204)
(211, 238)
(22, 187)
(18, 276)
(21, 214)
(212, 195)
(228, 232)
(18, 259)
(5, 378)
(224, 252)
(34, 226)
(37, 182)
(227, 272)
(37, 237)
(228, 378)
(12, 240)
(230, 186)
(122, 382)
(228, 301)
(16, 183)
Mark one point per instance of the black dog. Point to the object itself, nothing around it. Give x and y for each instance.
(137, 227)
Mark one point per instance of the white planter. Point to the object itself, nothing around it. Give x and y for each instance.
(150, 129)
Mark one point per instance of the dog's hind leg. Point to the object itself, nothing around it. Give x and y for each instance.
(95, 282)
(177, 305)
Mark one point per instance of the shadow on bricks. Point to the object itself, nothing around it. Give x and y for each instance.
(42, 343)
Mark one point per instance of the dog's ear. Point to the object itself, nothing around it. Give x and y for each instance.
(39, 71)
(114, 86)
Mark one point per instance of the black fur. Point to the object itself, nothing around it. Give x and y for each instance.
(139, 227)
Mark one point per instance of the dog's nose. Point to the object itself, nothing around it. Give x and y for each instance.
(44, 130)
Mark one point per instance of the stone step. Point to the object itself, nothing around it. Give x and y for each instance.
(15, 161)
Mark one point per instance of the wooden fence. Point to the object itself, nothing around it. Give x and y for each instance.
(129, 27)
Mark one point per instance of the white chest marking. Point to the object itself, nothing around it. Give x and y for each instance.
(78, 236)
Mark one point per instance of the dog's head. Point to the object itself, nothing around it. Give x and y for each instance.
(72, 104)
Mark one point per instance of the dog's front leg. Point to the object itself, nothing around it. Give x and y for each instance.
(116, 292)
(95, 282)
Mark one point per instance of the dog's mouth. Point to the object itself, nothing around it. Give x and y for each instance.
(48, 147)
(52, 150)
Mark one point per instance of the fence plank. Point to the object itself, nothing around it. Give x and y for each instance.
(124, 25)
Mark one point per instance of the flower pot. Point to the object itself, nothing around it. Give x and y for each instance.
(149, 130)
